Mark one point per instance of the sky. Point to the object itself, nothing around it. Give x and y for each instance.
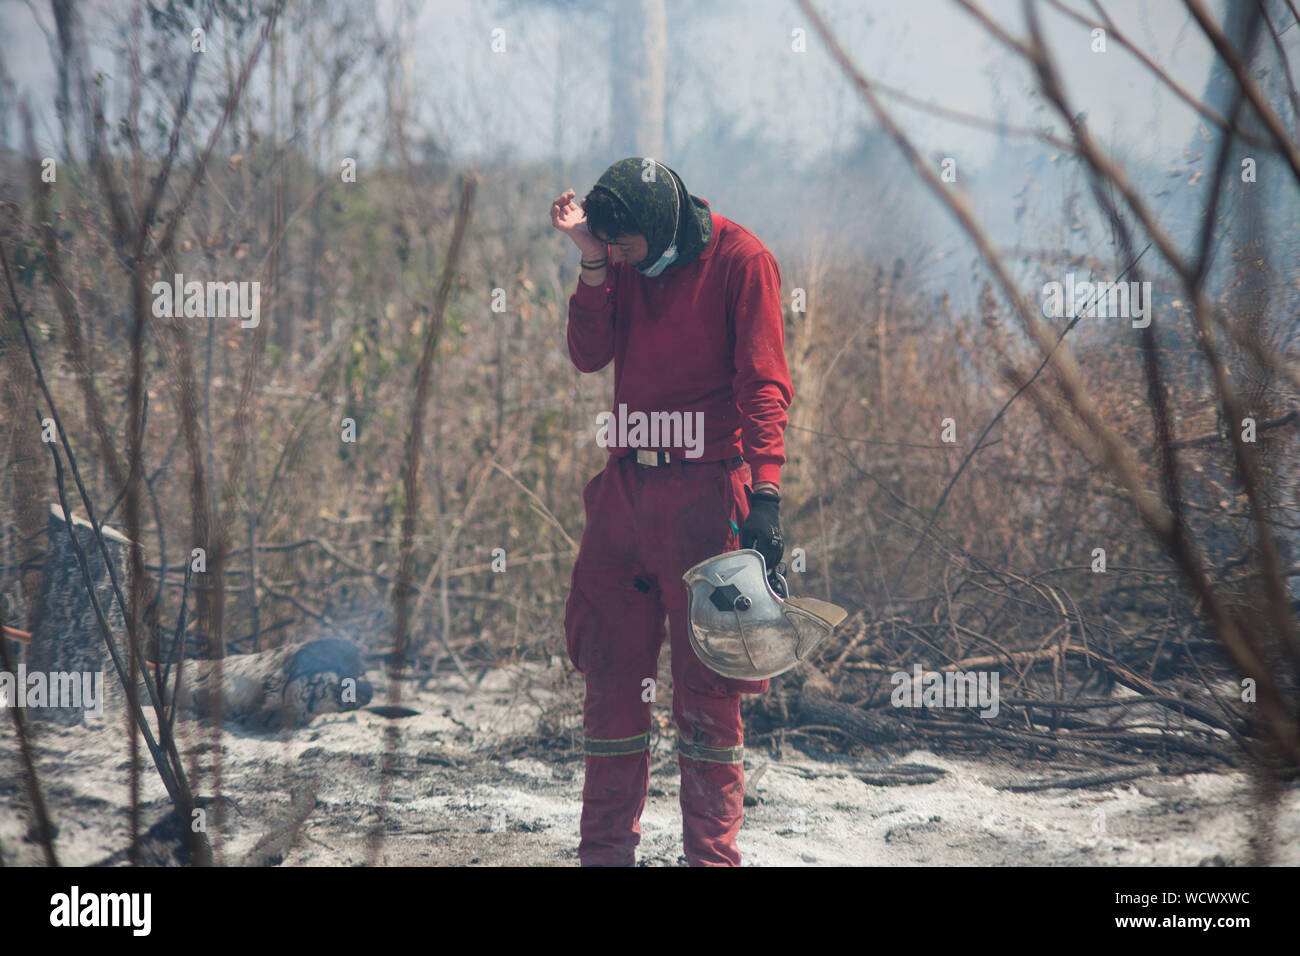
(734, 58)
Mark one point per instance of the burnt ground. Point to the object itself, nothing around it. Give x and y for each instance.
(476, 782)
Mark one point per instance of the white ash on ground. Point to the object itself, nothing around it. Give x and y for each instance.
(471, 787)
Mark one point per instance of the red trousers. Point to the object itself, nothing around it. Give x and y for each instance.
(646, 526)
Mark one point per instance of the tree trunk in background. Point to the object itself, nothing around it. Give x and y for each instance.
(280, 314)
(65, 633)
(25, 464)
(1240, 270)
(638, 66)
(1243, 230)
(65, 25)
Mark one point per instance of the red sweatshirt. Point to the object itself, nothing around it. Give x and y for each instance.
(706, 337)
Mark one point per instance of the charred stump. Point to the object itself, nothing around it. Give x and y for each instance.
(67, 644)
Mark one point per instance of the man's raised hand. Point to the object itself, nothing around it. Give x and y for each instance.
(568, 217)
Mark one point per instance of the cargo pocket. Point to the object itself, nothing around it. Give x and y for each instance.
(738, 489)
(588, 490)
(577, 618)
(579, 615)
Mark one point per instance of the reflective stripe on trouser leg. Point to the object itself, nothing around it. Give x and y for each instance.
(711, 754)
(617, 747)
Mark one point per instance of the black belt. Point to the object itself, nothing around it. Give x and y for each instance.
(659, 458)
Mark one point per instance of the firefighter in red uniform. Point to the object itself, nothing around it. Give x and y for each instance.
(687, 304)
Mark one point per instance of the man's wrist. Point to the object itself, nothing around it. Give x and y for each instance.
(593, 266)
(768, 487)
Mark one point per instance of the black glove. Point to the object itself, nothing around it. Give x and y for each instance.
(762, 528)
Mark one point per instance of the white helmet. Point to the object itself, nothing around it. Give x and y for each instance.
(741, 627)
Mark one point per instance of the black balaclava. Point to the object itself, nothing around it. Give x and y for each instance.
(652, 207)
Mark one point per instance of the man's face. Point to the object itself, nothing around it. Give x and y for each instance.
(631, 248)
